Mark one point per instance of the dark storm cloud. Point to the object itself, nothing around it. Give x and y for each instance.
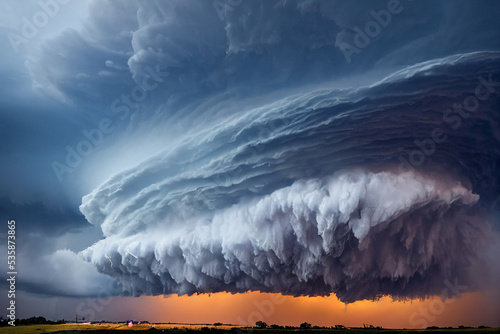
(242, 141)
(321, 201)
(33, 131)
(251, 45)
(88, 67)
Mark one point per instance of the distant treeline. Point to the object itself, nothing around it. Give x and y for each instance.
(32, 321)
(304, 327)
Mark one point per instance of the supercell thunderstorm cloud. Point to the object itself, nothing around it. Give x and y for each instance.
(315, 193)
(385, 184)
(301, 147)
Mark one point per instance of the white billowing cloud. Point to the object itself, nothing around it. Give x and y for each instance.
(296, 240)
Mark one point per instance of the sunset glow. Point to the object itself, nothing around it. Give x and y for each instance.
(470, 309)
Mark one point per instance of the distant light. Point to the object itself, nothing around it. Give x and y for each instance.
(130, 323)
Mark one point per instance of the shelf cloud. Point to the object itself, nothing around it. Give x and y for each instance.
(302, 147)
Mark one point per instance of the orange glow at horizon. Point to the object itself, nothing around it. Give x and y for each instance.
(470, 309)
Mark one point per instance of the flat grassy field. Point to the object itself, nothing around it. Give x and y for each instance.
(179, 328)
(106, 327)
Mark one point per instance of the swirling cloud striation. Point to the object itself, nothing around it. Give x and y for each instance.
(390, 188)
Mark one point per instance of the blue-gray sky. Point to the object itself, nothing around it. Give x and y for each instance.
(204, 146)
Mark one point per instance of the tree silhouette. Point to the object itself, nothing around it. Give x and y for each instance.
(305, 325)
(261, 324)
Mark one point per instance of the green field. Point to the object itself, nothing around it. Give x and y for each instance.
(184, 329)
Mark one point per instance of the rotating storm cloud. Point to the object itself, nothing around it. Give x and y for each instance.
(280, 163)
(322, 192)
